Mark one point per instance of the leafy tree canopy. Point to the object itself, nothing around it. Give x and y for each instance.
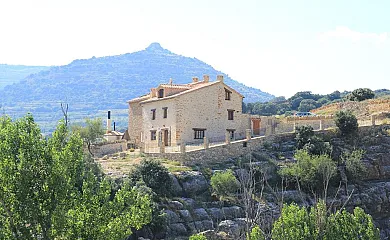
(48, 189)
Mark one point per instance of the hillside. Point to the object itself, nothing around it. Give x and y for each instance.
(92, 86)
(363, 110)
(10, 74)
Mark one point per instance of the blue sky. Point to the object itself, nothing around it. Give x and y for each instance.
(278, 46)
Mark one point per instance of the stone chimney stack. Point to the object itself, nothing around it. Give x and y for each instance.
(195, 79)
(220, 78)
(108, 122)
(206, 78)
(153, 92)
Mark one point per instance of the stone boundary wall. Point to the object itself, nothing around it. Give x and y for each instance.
(241, 148)
(109, 148)
(215, 153)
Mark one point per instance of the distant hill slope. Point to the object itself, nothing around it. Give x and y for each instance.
(363, 110)
(98, 84)
(10, 74)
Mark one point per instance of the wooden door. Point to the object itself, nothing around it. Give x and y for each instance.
(166, 139)
(256, 126)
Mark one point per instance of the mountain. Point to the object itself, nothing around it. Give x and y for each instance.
(92, 86)
(14, 73)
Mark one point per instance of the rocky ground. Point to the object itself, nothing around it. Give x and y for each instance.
(193, 209)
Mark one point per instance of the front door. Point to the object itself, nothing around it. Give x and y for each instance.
(256, 126)
(166, 139)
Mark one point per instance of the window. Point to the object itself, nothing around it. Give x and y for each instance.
(230, 114)
(161, 93)
(199, 133)
(227, 94)
(153, 135)
(153, 114)
(165, 109)
(231, 133)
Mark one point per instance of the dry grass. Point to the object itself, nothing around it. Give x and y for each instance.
(117, 167)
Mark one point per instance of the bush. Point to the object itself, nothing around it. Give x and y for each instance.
(346, 122)
(303, 135)
(315, 223)
(306, 140)
(256, 234)
(154, 175)
(224, 184)
(197, 237)
(312, 171)
(361, 94)
(354, 165)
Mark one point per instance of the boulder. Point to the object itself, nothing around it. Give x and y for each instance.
(175, 205)
(232, 212)
(177, 190)
(216, 214)
(193, 183)
(177, 229)
(200, 214)
(186, 215)
(231, 227)
(172, 217)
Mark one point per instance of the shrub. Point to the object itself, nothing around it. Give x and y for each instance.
(312, 171)
(155, 176)
(224, 184)
(346, 122)
(361, 94)
(315, 223)
(306, 140)
(256, 234)
(197, 237)
(303, 135)
(354, 165)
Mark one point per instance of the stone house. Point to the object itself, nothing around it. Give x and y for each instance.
(174, 113)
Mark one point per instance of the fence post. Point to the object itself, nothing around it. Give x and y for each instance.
(321, 124)
(373, 118)
(142, 147)
(248, 134)
(162, 147)
(227, 137)
(295, 126)
(206, 143)
(183, 147)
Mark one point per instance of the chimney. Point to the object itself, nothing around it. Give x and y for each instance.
(170, 81)
(114, 126)
(153, 92)
(206, 78)
(195, 79)
(220, 78)
(108, 122)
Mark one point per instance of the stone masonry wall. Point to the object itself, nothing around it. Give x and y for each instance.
(135, 122)
(109, 148)
(206, 108)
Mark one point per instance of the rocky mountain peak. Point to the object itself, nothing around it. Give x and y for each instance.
(156, 48)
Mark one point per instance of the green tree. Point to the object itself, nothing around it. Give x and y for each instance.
(307, 140)
(361, 94)
(48, 189)
(346, 122)
(316, 223)
(307, 105)
(92, 130)
(224, 184)
(311, 171)
(256, 234)
(154, 175)
(354, 165)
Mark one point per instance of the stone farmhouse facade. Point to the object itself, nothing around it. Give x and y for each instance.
(172, 114)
